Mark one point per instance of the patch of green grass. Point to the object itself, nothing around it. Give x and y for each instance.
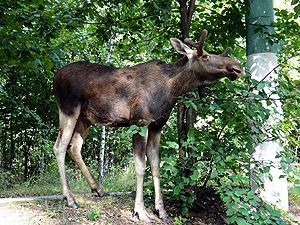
(178, 220)
(94, 213)
(44, 185)
(51, 213)
(120, 179)
(117, 179)
(294, 180)
(294, 193)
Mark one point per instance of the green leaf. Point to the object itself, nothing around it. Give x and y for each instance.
(241, 221)
(174, 170)
(194, 106)
(261, 86)
(195, 175)
(230, 212)
(143, 131)
(133, 129)
(214, 174)
(177, 190)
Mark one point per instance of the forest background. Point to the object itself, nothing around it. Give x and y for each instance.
(39, 36)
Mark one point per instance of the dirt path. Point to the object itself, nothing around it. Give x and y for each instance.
(52, 210)
(15, 211)
(17, 215)
(114, 210)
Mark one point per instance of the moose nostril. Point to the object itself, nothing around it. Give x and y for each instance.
(229, 68)
(236, 70)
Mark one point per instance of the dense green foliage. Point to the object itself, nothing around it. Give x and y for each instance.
(39, 36)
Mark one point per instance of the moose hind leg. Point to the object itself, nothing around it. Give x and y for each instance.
(67, 125)
(139, 148)
(79, 135)
(153, 156)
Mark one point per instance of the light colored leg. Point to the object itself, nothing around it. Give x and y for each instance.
(75, 152)
(153, 156)
(139, 148)
(67, 125)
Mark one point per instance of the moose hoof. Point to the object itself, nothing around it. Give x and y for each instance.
(162, 214)
(97, 191)
(142, 215)
(74, 205)
(166, 219)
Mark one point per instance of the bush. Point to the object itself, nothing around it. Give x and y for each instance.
(218, 151)
(6, 180)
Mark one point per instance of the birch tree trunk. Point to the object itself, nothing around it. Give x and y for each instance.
(101, 155)
(103, 133)
(262, 61)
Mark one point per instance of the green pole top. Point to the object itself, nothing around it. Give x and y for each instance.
(259, 21)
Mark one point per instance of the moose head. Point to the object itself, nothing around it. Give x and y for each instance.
(209, 67)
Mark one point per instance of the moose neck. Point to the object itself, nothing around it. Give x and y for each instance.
(183, 82)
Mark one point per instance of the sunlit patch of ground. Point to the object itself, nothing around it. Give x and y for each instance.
(112, 210)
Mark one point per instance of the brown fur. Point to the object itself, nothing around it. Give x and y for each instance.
(144, 95)
(141, 94)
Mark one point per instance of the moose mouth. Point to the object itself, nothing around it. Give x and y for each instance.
(234, 72)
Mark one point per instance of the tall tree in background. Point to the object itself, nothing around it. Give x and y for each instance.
(185, 116)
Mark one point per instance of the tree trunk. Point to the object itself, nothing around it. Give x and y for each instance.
(26, 156)
(181, 128)
(4, 152)
(42, 163)
(101, 155)
(103, 133)
(185, 116)
(108, 150)
(12, 145)
(261, 60)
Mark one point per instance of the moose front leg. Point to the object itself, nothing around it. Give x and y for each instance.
(139, 151)
(153, 156)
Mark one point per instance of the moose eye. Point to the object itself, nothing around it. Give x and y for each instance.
(205, 57)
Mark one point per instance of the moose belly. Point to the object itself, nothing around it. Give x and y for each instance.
(107, 114)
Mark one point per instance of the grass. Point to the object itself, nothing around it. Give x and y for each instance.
(117, 179)
(294, 180)
(120, 179)
(99, 209)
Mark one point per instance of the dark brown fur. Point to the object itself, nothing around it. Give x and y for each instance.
(115, 97)
(144, 95)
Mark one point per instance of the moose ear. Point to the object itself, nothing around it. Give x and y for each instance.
(181, 48)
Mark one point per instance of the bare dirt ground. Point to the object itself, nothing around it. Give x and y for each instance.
(12, 214)
(109, 210)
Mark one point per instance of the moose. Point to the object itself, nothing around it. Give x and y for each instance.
(142, 95)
